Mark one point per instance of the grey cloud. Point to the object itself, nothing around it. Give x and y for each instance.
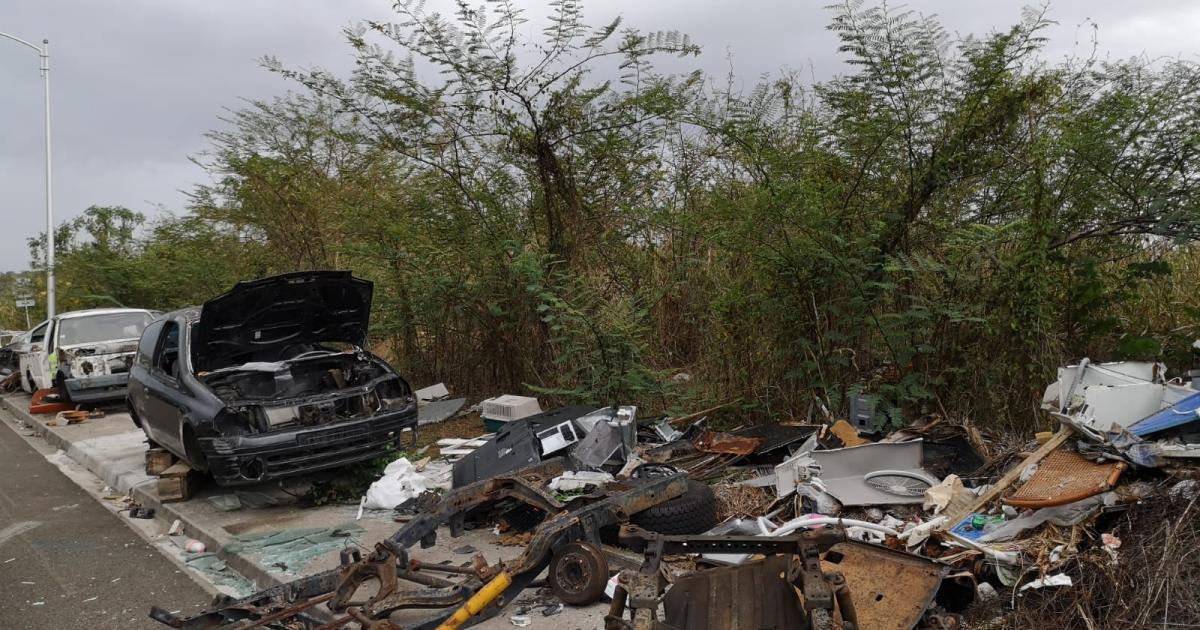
(137, 83)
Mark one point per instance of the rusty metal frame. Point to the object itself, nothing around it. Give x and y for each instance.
(389, 564)
(641, 592)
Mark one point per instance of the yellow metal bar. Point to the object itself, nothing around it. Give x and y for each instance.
(478, 601)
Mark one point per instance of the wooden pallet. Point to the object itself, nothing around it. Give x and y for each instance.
(178, 483)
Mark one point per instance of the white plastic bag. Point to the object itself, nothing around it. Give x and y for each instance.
(399, 483)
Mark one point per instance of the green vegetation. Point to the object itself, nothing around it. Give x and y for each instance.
(942, 226)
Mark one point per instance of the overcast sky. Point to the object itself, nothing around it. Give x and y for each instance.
(136, 83)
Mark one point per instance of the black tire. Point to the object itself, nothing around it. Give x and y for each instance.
(693, 512)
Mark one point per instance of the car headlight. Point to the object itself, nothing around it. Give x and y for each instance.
(278, 416)
(230, 423)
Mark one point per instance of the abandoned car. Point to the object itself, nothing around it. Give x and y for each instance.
(12, 344)
(86, 355)
(269, 380)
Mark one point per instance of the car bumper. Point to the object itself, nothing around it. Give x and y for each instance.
(97, 388)
(256, 458)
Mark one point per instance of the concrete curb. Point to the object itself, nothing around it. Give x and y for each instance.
(144, 489)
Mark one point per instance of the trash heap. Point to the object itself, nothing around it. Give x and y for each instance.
(995, 532)
(681, 523)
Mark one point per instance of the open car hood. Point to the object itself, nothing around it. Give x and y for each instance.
(272, 313)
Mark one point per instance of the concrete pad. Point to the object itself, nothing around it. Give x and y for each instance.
(113, 449)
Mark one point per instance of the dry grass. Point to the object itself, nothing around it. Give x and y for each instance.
(734, 501)
(466, 426)
(1154, 584)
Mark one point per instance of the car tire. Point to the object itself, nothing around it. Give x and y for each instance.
(693, 512)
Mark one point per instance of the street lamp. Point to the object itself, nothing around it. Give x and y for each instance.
(44, 66)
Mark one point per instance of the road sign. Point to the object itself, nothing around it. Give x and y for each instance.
(25, 303)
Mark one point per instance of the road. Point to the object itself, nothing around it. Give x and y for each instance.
(68, 562)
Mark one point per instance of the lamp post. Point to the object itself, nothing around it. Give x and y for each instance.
(44, 66)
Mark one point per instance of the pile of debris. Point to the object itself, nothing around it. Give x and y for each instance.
(679, 525)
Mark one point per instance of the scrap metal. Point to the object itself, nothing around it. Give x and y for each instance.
(892, 590)
(389, 564)
(727, 443)
(826, 601)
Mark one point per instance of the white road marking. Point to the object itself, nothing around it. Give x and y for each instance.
(16, 529)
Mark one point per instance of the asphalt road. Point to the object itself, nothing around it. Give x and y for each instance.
(67, 562)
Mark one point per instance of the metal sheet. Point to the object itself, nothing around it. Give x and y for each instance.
(753, 595)
(776, 436)
(1183, 412)
(439, 411)
(843, 471)
(598, 446)
(713, 442)
(890, 590)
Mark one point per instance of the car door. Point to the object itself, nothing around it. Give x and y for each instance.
(165, 399)
(31, 361)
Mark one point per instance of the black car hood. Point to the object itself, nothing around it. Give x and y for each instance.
(272, 313)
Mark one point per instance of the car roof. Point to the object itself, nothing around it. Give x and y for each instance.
(189, 314)
(99, 311)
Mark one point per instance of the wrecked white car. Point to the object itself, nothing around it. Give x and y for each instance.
(86, 355)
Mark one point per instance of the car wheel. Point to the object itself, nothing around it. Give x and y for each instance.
(578, 573)
(693, 512)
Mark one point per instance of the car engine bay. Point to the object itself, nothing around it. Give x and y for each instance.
(312, 388)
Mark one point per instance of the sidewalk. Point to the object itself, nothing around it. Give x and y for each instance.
(113, 449)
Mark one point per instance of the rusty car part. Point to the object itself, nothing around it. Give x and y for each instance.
(892, 590)
(1065, 477)
(384, 569)
(578, 573)
(753, 601)
(749, 595)
(726, 443)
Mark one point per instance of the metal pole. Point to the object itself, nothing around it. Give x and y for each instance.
(27, 324)
(45, 66)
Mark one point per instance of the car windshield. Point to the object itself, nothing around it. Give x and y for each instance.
(99, 328)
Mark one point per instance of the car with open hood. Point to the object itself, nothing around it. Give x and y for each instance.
(269, 380)
(84, 354)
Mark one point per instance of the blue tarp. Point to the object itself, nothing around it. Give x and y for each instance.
(1179, 414)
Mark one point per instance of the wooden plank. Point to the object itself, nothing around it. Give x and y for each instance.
(1011, 476)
